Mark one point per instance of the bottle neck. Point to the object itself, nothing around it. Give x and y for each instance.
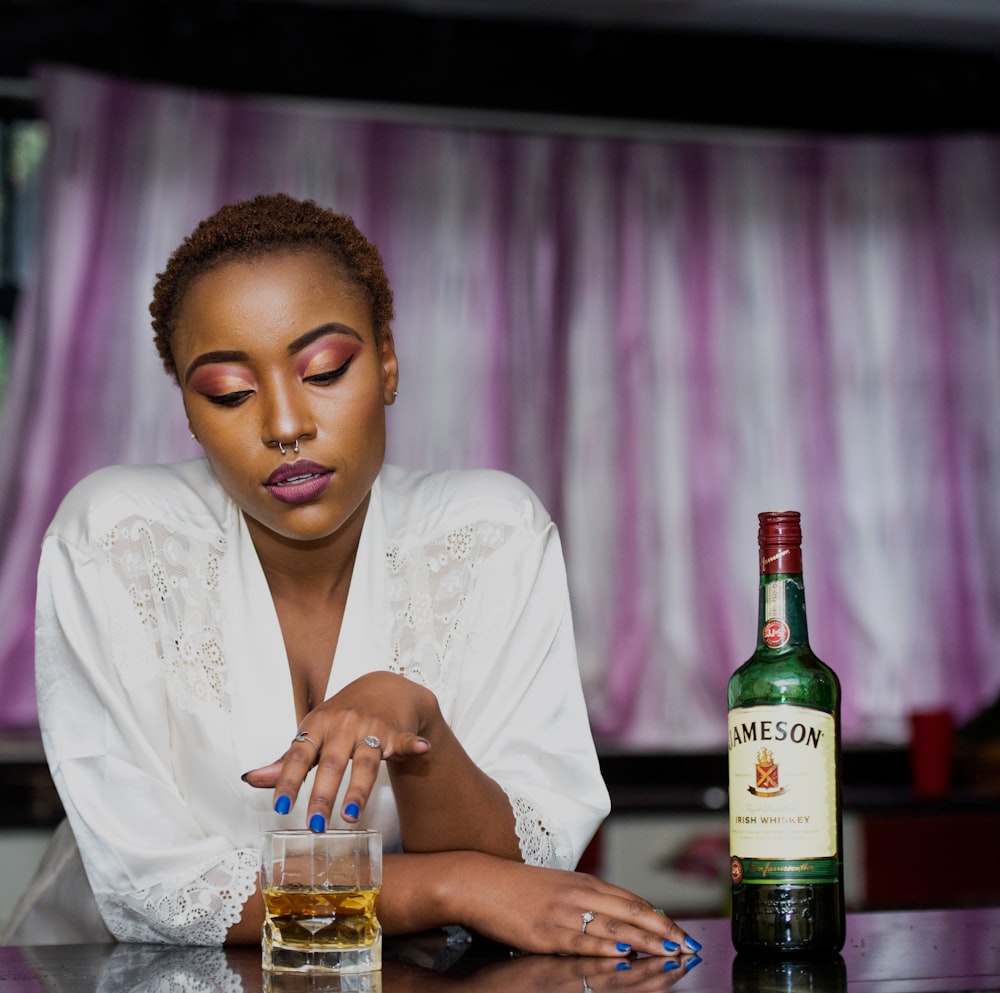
(781, 612)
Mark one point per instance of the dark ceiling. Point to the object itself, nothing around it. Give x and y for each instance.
(667, 69)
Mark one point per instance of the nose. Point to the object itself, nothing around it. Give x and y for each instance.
(287, 416)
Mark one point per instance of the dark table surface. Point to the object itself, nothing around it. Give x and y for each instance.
(927, 951)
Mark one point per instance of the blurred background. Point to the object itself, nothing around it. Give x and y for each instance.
(673, 262)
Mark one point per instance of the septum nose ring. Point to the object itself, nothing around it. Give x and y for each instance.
(295, 449)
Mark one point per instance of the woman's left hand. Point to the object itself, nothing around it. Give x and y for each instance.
(379, 716)
(546, 911)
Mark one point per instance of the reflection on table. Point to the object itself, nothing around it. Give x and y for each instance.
(914, 951)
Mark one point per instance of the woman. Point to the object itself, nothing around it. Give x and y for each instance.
(409, 632)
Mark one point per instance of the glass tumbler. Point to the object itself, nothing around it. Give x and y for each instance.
(319, 895)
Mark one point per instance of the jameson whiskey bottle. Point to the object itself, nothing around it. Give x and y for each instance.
(784, 771)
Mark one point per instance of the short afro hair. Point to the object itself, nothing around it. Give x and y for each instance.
(267, 224)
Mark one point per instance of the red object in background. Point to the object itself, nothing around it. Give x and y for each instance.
(590, 861)
(934, 858)
(932, 750)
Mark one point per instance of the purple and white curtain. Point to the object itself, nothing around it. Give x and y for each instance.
(663, 334)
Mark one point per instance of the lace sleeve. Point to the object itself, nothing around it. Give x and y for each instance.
(196, 912)
(541, 843)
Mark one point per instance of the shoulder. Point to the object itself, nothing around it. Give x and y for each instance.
(176, 494)
(437, 502)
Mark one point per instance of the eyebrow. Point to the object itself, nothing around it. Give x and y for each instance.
(294, 346)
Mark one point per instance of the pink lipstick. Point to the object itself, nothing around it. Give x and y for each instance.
(298, 482)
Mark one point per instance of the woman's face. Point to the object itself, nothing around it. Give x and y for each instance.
(277, 350)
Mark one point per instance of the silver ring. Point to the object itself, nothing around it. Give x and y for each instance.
(588, 916)
(587, 988)
(302, 736)
(371, 741)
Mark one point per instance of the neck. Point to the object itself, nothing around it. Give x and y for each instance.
(320, 568)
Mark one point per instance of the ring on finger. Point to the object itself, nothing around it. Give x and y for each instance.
(371, 741)
(303, 736)
(587, 916)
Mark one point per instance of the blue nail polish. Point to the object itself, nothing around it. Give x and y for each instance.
(622, 966)
(691, 962)
(695, 946)
(670, 965)
(670, 946)
(317, 823)
(351, 810)
(622, 947)
(282, 805)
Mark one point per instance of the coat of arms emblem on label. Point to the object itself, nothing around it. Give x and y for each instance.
(766, 776)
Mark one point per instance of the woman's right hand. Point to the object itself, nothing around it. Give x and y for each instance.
(380, 716)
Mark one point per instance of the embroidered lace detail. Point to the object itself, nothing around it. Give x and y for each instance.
(198, 912)
(541, 844)
(173, 585)
(428, 589)
(141, 969)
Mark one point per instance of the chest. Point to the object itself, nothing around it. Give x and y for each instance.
(311, 635)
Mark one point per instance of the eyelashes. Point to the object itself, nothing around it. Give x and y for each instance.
(236, 397)
(228, 399)
(331, 376)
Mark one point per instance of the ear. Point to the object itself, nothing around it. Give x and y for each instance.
(390, 368)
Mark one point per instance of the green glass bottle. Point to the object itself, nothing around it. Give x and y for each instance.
(785, 822)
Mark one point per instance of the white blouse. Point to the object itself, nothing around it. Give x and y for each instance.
(162, 676)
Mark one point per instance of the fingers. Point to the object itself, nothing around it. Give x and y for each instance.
(303, 753)
(330, 769)
(263, 778)
(636, 928)
(379, 707)
(404, 746)
(331, 757)
(366, 759)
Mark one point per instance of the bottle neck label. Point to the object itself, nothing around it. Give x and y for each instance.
(782, 611)
(782, 789)
(775, 633)
(775, 558)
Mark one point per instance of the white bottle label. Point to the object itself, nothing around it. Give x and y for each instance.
(782, 794)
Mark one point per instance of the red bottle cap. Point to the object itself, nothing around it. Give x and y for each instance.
(780, 541)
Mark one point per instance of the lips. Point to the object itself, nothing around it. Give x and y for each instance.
(298, 482)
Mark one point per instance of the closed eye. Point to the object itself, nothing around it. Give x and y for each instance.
(233, 399)
(323, 378)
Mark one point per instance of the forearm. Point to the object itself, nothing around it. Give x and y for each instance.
(247, 930)
(422, 891)
(447, 803)
(418, 892)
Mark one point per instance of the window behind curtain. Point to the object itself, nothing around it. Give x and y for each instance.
(23, 142)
